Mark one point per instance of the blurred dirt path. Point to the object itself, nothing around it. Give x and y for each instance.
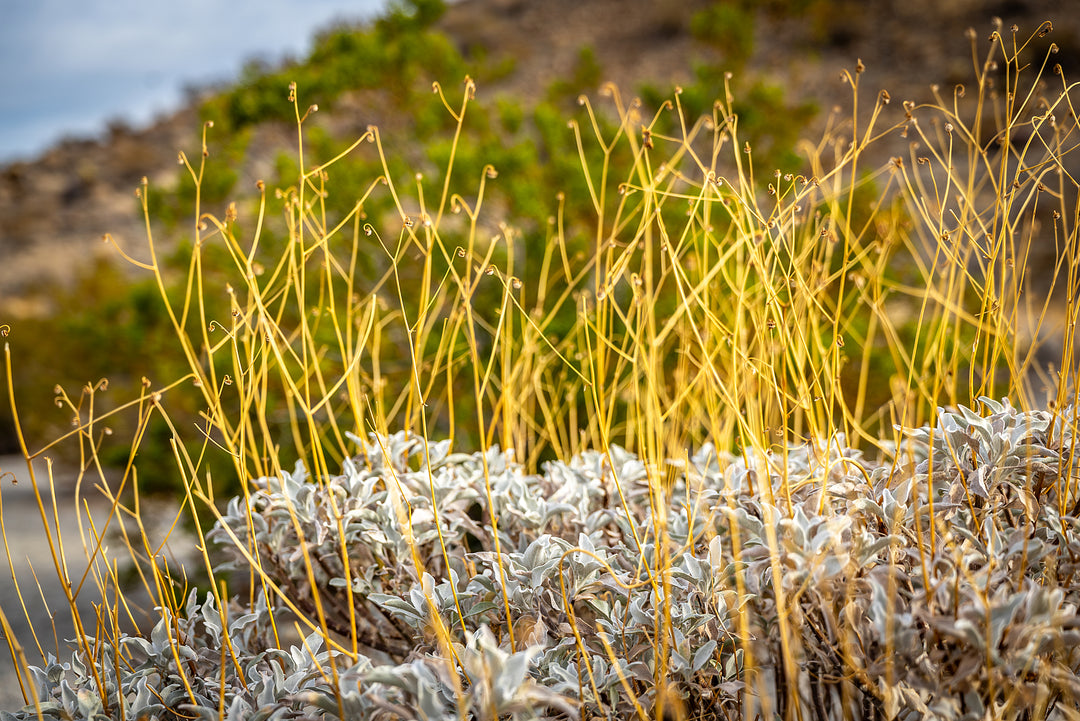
(32, 563)
(28, 546)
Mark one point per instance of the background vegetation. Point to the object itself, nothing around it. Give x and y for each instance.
(587, 273)
(107, 324)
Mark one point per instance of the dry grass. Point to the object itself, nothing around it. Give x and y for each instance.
(754, 308)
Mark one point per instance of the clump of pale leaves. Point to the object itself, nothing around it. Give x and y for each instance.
(940, 581)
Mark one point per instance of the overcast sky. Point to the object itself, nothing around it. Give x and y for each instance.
(69, 66)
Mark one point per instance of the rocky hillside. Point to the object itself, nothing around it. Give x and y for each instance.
(55, 209)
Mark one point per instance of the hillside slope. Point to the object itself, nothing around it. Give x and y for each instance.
(54, 210)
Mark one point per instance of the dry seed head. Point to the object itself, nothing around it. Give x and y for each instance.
(885, 97)
(490, 270)
(1045, 29)
(970, 33)
(859, 66)
(516, 282)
